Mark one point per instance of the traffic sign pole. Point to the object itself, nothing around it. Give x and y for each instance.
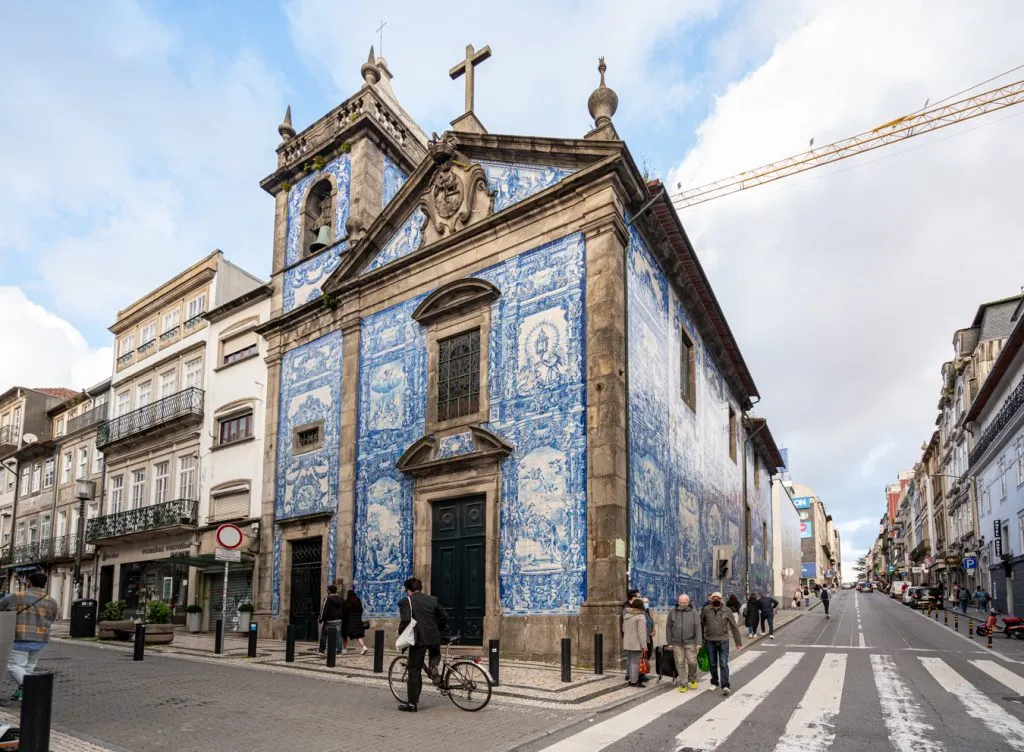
(229, 538)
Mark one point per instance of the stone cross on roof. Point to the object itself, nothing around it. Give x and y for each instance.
(473, 59)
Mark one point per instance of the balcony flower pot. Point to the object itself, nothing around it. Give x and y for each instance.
(194, 618)
(244, 617)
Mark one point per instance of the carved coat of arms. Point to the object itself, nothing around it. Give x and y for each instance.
(457, 196)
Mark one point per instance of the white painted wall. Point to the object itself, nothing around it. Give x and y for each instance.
(785, 544)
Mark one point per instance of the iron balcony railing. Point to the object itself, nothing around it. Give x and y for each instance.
(1006, 413)
(193, 322)
(170, 334)
(88, 419)
(186, 403)
(125, 359)
(8, 435)
(66, 547)
(169, 514)
(31, 553)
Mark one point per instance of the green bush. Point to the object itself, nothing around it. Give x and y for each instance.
(245, 607)
(158, 612)
(113, 611)
(195, 608)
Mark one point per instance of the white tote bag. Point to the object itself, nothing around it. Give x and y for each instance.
(408, 637)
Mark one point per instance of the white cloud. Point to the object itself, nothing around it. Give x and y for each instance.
(44, 350)
(844, 286)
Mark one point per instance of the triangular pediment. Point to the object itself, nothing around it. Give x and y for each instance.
(466, 180)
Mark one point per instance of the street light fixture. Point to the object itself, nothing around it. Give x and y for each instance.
(84, 490)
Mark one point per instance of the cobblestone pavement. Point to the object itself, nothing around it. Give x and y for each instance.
(173, 703)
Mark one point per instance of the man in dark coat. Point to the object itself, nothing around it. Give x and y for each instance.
(332, 612)
(768, 606)
(431, 621)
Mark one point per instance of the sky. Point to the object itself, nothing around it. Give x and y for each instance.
(133, 137)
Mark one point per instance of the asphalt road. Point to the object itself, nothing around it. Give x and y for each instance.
(877, 676)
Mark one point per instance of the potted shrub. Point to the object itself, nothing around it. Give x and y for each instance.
(113, 625)
(159, 630)
(194, 618)
(244, 616)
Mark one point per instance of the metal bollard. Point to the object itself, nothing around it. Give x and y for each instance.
(36, 706)
(289, 645)
(378, 651)
(492, 660)
(945, 617)
(936, 614)
(332, 648)
(566, 659)
(218, 639)
(956, 622)
(970, 628)
(990, 639)
(598, 653)
(140, 642)
(253, 631)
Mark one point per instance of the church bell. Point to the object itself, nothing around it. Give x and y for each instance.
(323, 239)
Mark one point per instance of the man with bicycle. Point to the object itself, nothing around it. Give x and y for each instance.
(431, 621)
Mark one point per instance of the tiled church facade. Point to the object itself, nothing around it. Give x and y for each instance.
(595, 474)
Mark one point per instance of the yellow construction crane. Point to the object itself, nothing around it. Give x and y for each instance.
(899, 129)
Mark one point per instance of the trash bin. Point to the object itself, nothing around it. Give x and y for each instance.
(83, 618)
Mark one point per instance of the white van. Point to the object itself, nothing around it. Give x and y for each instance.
(897, 588)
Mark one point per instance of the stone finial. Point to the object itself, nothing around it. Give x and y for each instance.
(603, 101)
(285, 128)
(369, 70)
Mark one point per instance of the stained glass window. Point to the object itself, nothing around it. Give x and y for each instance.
(458, 375)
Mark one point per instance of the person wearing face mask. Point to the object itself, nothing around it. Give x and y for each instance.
(649, 619)
(716, 622)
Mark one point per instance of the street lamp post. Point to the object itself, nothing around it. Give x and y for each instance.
(84, 490)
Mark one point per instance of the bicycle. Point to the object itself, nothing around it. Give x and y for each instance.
(462, 680)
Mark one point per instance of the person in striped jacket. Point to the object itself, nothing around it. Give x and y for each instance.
(36, 612)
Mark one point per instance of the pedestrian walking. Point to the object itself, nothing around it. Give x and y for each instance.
(716, 622)
(634, 640)
(751, 613)
(683, 634)
(824, 600)
(431, 620)
(630, 596)
(768, 605)
(36, 611)
(798, 598)
(355, 627)
(964, 597)
(332, 614)
(649, 618)
(983, 599)
(734, 605)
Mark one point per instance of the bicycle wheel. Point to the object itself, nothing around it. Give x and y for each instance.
(398, 678)
(468, 686)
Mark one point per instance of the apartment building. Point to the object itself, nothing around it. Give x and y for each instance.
(149, 528)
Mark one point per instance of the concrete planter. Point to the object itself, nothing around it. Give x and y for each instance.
(244, 619)
(159, 634)
(124, 630)
(194, 622)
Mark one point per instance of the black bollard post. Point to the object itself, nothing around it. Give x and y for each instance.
(140, 642)
(566, 659)
(378, 651)
(289, 646)
(492, 661)
(218, 639)
(253, 632)
(35, 713)
(332, 648)
(598, 653)
(956, 622)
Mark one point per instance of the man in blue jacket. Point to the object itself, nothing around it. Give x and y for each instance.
(768, 606)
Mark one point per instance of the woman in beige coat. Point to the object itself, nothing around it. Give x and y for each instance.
(634, 640)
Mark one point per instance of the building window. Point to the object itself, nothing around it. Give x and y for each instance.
(145, 394)
(194, 373)
(116, 493)
(1020, 529)
(250, 351)
(138, 488)
(49, 471)
(126, 345)
(33, 530)
(168, 383)
(1002, 479)
(196, 307)
(44, 528)
(147, 334)
(1020, 461)
(732, 434)
(37, 476)
(65, 471)
(187, 478)
(160, 473)
(83, 463)
(19, 537)
(308, 438)
(124, 403)
(60, 427)
(97, 459)
(238, 428)
(688, 371)
(62, 523)
(458, 375)
(26, 474)
(170, 320)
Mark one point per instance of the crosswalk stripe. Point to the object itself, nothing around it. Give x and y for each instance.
(619, 726)
(714, 727)
(1002, 675)
(904, 720)
(1009, 729)
(810, 728)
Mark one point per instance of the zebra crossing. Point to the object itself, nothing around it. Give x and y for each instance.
(926, 703)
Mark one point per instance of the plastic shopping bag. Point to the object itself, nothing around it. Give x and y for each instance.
(703, 662)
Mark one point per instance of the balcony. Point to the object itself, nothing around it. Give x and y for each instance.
(65, 547)
(147, 347)
(158, 517)
(88, 419)
(126, 359)
(184, 406)
(8, 438)
(1006, 413)
(193, 322)
(170, 334)
(31, 553)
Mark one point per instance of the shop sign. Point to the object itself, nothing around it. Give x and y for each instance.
(952, 561)
(180, 546)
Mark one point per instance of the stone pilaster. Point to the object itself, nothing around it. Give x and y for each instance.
(265, 558)
(607, 434)
(347, 462)
(365, 187)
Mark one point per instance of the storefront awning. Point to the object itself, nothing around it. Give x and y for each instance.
(209, 562)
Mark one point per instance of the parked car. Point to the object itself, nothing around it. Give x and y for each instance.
(921, 596)
(897, 587)
(863, 586)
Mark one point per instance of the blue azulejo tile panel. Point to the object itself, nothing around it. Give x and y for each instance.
(512, 183)
(394, 179)
(408, 238)
(537, 398)
(392, 404)
(302, 283)
(684, 490)
(338, 171)
(455, 445)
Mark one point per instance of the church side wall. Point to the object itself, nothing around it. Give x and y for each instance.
(685, 491)
(759, 497)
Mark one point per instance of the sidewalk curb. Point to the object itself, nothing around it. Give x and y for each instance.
(964, 637)
(608, 709)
